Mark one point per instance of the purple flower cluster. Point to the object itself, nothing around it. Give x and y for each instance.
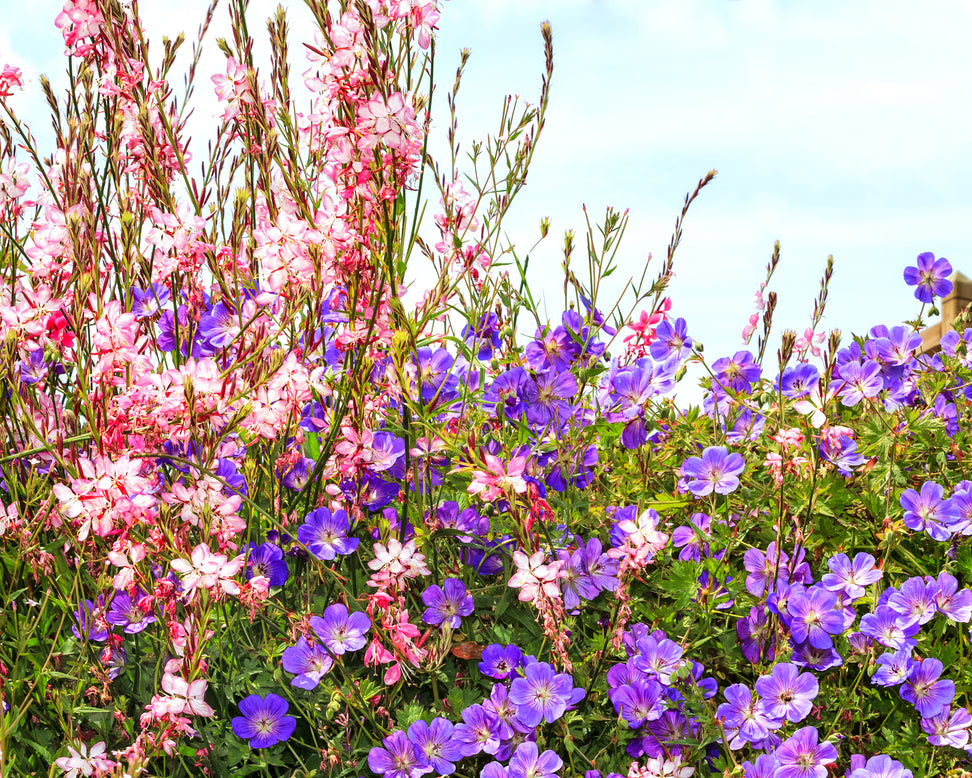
(649, 692)
(502, 726)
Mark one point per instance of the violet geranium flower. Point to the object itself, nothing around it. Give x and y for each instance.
(326, 534)
(930, 275)
(397, 759)
(310, 663)
(924, 689)
(928, 511)
(814, 618)
(447, 604)
(528, 762)
(264, 721)
(715, 471)
(267, 560)
(851, 577)
(340, 631)
(435, 746)
(499, 661)
(541, 695)
(802, 756)
(746, 719)
(788, 693)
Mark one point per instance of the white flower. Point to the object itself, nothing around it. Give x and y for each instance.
(186, 697)
(207, 570)
(533, 575)
(84, 762)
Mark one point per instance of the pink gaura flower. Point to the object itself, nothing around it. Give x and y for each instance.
(498, 480)
(399, 561)
(534, 575)
(206, 570)
(641, 542)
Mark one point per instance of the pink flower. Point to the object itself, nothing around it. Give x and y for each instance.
(84, 762)
(642, 541)
(79, 19)
(9, 77)
(399, 561)
(497, 480)
(534, 575)
(207, 570)
(186, 697)
(809, 341)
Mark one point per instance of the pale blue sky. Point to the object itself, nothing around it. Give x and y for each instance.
(837, 127)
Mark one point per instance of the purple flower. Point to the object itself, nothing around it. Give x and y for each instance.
(498, 704)
(397, 759)
(658, 656)
(738, 373)
(128, 612)
(541, 695)
(148, 302)
(34, 369)
(220, 326)
(298, 474)
(948, 730)
(962, 505)
(859, 381)
(528, 762)
(264, 721)
(788, 693)
(897, 347)
(929, 511)
(798, 381)
(930, 275)
(671, 341)
(478, 731)
(756, 637)
(386, 451)
(447, 604)
(765, 767)
(850, 577)
(914, 601)
(951, 602)
(339, 631)
(801, 756)
(883, 626)
(638, 702)
(551, 348)
(814, 618)
(326, 534)
(879, 766)
(485, 336)
(925, 691)
(91, 623)
(546, 396)
(310, 663)
(819, 659)
(499, 661)
(843, 455)
(667, 735)
(893, 668)
(690, 539)
(435, 746)
(763, 569)
(600, 570)
(267, 560)
(716, 470)
(746, 719)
